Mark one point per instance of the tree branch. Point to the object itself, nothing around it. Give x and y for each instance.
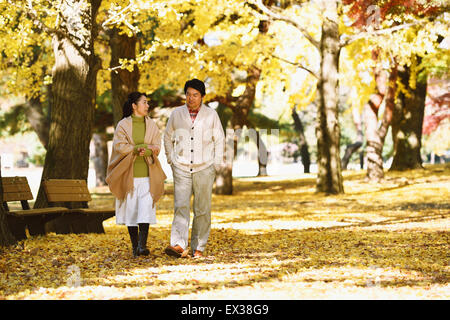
(279, 17)
(299, 65)
(346, 40)
(31, 14)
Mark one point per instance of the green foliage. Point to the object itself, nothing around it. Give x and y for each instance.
(225, 115)
(14, 121)
(435, 64)
(37, 156)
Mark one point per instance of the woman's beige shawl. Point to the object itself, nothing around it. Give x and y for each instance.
(119, 174)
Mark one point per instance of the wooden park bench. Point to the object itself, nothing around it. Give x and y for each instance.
(17, 189)
(74, 195)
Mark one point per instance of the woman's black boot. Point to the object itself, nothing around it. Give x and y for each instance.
(143, 235)
(133, 231)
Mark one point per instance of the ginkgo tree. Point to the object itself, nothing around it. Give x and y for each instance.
(399, 54)
(333, 37)
(70, 28)
(220, 42)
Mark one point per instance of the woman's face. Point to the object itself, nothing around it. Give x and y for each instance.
(140, 108)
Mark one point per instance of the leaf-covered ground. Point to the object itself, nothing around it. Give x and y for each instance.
(275, 238)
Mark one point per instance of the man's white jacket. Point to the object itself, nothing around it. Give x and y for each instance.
(194, 146)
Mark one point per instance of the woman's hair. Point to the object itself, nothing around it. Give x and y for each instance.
(133, 97)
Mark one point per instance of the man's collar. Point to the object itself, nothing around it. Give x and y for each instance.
(194, 110)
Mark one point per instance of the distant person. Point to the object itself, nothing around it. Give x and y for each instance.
(134, 173)
(194, 144)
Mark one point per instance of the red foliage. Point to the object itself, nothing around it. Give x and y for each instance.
(437, 104)
(364, 11)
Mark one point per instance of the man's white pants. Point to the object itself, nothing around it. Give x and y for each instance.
(199, 184)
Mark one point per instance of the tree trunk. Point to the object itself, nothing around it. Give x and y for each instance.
(375, 133)
(37, 119)
(123, 82)
(263, 156)
(407, 121)
(224, 176)
(6, 238)
(374, 145)
(352, 148)
(100, 158)
(329, 176)
(241, 109)
(304, 153)
(74, 92)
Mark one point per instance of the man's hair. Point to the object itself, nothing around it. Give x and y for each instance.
(195, 84)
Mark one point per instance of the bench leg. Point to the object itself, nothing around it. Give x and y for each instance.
(59, 226)
(95, 224)
(36, 226)
(80, 224)
(68, 223)
(17, 227)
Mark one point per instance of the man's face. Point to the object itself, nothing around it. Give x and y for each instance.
(193, 98)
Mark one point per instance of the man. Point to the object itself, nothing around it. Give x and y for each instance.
(194, 143)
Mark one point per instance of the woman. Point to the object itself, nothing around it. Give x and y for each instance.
(134, 173)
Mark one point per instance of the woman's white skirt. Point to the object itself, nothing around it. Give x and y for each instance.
(137, 207)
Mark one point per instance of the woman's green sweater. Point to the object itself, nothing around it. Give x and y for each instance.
(140, 168)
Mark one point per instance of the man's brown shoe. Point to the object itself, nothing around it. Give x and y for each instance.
(198, 254)
(176, 251)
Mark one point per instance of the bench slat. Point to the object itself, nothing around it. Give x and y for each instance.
(65, 183)
(57, 189)
(14, 180)
(66, 190)
(17, 196)
(16, 189)
(37, 212)
(68, 197)
(94, 211)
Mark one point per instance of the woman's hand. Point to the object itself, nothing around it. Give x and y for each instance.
(141, 151)
(154, 149)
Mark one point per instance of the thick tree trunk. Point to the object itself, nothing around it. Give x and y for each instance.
(6, 238)
(407, 122)
(329, 176)
(100, 158)
(74, 92)
(304, 153)
(123, 82)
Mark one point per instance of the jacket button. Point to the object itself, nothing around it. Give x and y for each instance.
(192, 138)
(192, 128)
(192, 150)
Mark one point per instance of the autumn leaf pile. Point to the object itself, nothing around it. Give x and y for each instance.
(275, 238)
